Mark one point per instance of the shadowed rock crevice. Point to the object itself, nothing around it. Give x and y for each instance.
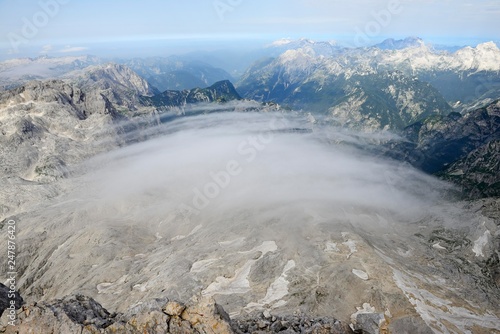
(6, 298)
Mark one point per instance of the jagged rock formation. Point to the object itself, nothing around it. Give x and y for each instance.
(267, 323)
(61, 116)
(386, 101)
(118, 83)
(46, 128)
(462, 77)
(81, 314)
(478, 174)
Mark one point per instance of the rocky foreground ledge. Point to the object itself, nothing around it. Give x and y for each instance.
(82, 314)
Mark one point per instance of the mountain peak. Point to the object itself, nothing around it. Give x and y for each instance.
(111, 73)
(224, 89)
(281, 42)
(487, 46)
(393, 44)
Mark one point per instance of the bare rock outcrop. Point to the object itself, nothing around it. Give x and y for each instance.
(82, 314)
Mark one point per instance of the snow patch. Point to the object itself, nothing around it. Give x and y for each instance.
(202, 265)
(235, 242)
(239, 282)
(480, 243)
(332, 247)
(276, 291)
(438, 246)
(180, 237)
(351, 244)
(361, 274)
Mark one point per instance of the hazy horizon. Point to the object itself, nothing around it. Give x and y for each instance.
(64, 27)
(166, 48)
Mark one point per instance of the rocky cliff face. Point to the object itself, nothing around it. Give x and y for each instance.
(81, 314)
(47, 127)
(478, 173)
(468, 142)
(118, 83)
(386, 101)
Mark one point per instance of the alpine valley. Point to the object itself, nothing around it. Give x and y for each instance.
(321, 189)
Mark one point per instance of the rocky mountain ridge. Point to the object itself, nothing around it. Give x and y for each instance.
(463, 77)
(162, 73)
(373, 101)
(55, 124)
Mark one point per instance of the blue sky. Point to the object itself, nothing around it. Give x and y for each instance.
(74, 26)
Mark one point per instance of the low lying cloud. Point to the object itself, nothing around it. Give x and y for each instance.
(213, 167)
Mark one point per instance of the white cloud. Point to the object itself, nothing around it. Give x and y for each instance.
(46, 48)
(68, 49)
(276, 172)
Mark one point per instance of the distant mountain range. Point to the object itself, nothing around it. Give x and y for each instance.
(372, 101)
(162, 73)
(307, 75)
(393, 44)
(176, 73)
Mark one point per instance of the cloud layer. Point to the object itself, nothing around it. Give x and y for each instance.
(211, 167)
